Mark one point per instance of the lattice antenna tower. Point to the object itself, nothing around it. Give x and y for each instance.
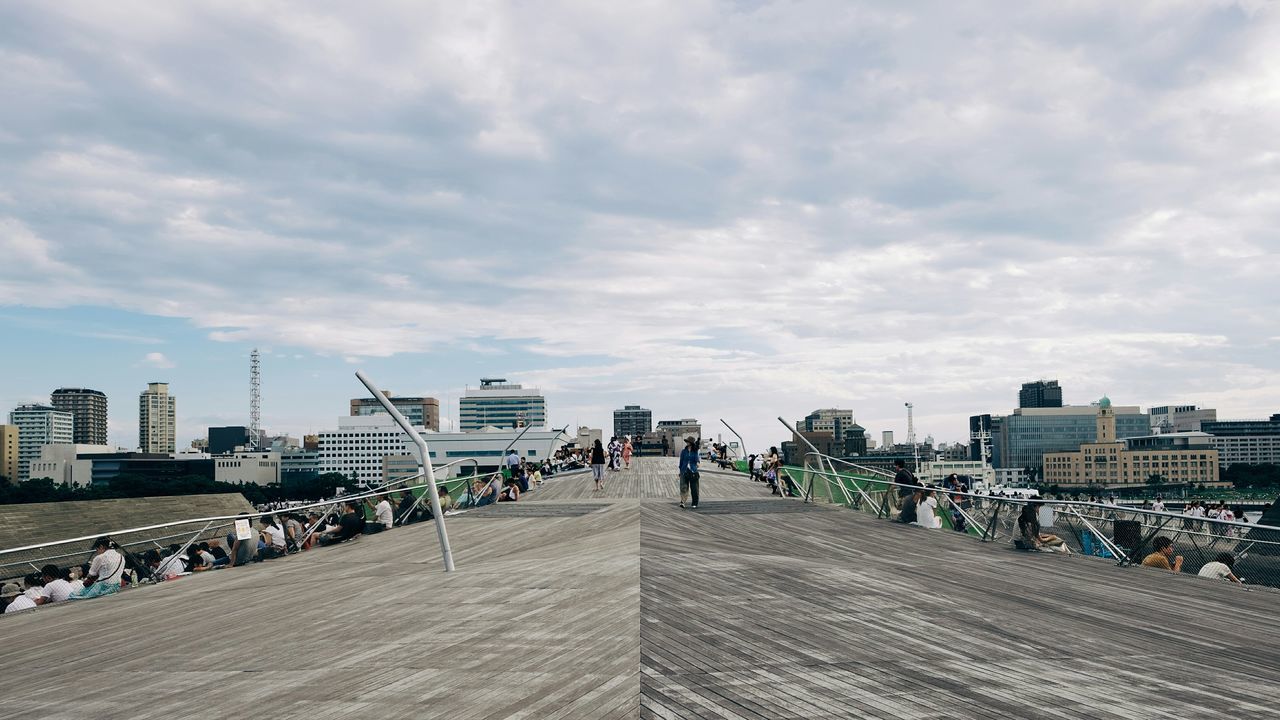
(911, 434)
(255, 398)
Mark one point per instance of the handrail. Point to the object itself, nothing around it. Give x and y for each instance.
(191, 521)
(742, 444)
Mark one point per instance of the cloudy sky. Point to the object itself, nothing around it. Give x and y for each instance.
(712, 209)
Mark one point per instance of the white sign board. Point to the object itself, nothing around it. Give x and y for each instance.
(243, 532)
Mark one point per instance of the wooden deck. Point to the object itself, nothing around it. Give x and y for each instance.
(582, 604)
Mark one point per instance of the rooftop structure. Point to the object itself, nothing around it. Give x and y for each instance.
(497, 403)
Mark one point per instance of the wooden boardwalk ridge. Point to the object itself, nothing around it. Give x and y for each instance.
(576, 604)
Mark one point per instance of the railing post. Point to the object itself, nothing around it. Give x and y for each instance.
(989, 533)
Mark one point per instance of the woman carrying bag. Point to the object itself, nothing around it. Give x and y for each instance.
(689, 471)
(104, 572)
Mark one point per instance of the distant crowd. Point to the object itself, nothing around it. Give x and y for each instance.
(275, 535)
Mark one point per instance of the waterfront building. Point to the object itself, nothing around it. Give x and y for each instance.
(107, 467)
(9, 452)
(1022, 438)
(419, 411)
(1040, 394)
(632, 421)
(497, 403)
(157, 420)
(256, 467)
(1112, 462)
(1180, 418)
(360, 447)
(226, 439)
(1245, 441)
(936, 471)
(88, 410)
(39, 425)
(588, 436)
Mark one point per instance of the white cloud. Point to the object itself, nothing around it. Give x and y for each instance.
(777, 206)
(157, 360)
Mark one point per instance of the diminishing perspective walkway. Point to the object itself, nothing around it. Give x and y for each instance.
(618, 604)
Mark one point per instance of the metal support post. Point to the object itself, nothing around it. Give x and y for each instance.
(428, 471)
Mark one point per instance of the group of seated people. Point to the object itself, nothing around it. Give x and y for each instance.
(514, 479)
(275, 536)
(768, 469)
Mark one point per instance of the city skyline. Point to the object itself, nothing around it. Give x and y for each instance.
(730, 211)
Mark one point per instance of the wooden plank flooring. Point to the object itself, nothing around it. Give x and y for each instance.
(583, 604)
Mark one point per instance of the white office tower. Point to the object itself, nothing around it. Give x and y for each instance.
(39, 425)
(157, 419)
(499, 404)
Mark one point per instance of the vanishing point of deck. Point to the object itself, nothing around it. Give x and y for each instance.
(618, 604)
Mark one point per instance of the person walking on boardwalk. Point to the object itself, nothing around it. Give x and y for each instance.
(597, 464)
(627, 449)
(689, 472)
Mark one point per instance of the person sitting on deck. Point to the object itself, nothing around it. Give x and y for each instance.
(214, 548)
(927, 510)
(1161, 555)
(907, 514)
(406, 513)
(105, 571)
(15, 599)
(511, 491)
(446, 502)
(348, 526)
(1029, 535)
(273, 540)
(243, 552)
(486, 493)
(903, 481)
(382, 517)
(201, 558)
(1221, 568)
(56, 586)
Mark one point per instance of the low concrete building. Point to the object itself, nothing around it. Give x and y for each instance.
(257, 467)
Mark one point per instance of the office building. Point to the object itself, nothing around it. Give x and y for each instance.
(833, 431)
(67, 464)
(499, 404)
(254, 467)
(365, 447)
(1180, 418)
(632, 421)
(1022, 438)
(886, 440)
(299, 465)
(108, 467)
(88, 410)
(588, 436)
(1110, 462)
(157, 420)
(677, 430)
(39, 425)
(1040, 394)
(419, 411)
(227, 439)
(1251, 442)
(9, 452)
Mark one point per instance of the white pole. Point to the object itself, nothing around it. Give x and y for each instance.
(742, 451)
(427, 469)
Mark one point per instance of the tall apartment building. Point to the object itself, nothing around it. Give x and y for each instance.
(1252, 442)
(632, 421)
(1180, 418)
(38, 425)
(157, 419)
(9, 452)
(1040, 394)
(88, 410)
(419, 411)
(499, 404)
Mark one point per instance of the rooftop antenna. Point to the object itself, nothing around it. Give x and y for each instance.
(255, 399)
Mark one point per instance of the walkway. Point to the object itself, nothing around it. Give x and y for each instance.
(618, 604)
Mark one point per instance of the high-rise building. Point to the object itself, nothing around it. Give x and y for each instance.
(1252, 442)
(886, 440)
(224, 440)
(833, 432)
(419, 411)
(88, 410)
(1180, 418)
(1040, 394)
(9, 452)
(632, 421)
(157, 419)
(39, 425)
(499, 404)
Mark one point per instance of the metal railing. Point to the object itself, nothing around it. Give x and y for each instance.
(1123, 534)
